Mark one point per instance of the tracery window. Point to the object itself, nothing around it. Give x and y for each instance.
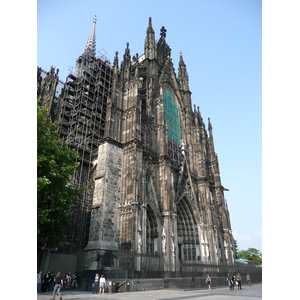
(171, 113)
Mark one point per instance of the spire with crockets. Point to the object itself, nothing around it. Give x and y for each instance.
(91, 43)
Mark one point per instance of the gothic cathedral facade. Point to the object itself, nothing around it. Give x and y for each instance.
(157, 192)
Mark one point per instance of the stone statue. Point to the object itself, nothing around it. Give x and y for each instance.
(139, 242)
(163, 241)
(182, 148)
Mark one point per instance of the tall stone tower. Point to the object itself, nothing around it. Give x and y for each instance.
(158, 200)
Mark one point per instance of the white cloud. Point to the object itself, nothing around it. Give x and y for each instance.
(241, 236)
(259, 233)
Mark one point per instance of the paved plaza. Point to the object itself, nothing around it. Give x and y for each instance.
(253, 292)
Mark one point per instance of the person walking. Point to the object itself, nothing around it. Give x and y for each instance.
(239, 280)
(58, 284)
(232, 282)
(48, 281)
(102, 284)
(208, 280)
(228, 279)
(96, 284)
(248, 279)
(68, 279)
(39, 281)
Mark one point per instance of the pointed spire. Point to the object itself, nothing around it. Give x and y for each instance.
(150, 45)
(181, 59)
(91, 43)
(182, 74)
(116, 60)
(150, 28)
(209, 128)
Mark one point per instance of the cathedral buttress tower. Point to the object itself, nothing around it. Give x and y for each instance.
(157, 178)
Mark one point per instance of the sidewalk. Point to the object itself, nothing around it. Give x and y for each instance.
(253, 292)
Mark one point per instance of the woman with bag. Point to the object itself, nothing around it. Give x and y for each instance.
(239, 280)
(96, 284)
(232, 281)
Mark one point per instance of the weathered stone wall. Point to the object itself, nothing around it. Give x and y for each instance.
(103, 237)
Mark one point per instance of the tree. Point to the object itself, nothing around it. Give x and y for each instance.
(56, 164)
(251, 254)
(235, 245)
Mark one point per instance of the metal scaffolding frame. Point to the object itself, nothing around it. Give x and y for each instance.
(81, 123)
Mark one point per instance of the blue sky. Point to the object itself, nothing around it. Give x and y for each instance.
(221, 44)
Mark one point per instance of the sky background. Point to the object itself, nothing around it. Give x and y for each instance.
(221, 44)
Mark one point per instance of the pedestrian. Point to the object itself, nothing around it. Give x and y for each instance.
(47, 280)
(208, 280)
(44, 283)
(51, 280)
(248, 279)
(239, 280)
(58, 281)
(77, 278)
(96, 284)
(74, 281)
(232, 282)
(67, 279)
(102, 284)
(39, 282)
(228, 280)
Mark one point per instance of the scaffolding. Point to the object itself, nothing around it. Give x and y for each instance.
(81, 123)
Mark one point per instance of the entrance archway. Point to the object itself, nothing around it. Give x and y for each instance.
(187, 232)
(151, 231)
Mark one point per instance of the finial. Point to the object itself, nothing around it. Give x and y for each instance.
(116, 58)
(163, 31)
(95, 19)
(209, 126)
(180, 53)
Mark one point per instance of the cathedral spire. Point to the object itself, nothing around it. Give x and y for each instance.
(150, 45)
(182, 74)
(91, 43)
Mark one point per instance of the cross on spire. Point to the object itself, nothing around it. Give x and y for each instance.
(163, 31)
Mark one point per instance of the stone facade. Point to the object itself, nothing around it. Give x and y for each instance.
(158, 191)
(155, 198)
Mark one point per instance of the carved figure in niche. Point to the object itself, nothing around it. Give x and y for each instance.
(182, 147)
(139, 239)
(163, 241)
(172, 244)
(139, 242)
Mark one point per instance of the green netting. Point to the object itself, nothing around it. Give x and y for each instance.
(172, 115)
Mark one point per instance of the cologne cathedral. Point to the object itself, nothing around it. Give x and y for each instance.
(154, 199)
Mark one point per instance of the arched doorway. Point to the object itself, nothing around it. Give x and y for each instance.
(151, 231)
(187, 232)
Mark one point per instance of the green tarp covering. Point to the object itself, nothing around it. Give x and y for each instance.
(171, 113)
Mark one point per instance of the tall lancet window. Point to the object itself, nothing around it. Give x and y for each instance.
(171, 113)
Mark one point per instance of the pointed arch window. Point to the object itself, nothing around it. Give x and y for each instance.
(171, 113)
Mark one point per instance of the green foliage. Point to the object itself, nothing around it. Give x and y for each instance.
(251, 254)
(55, 195)
(235, 245)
